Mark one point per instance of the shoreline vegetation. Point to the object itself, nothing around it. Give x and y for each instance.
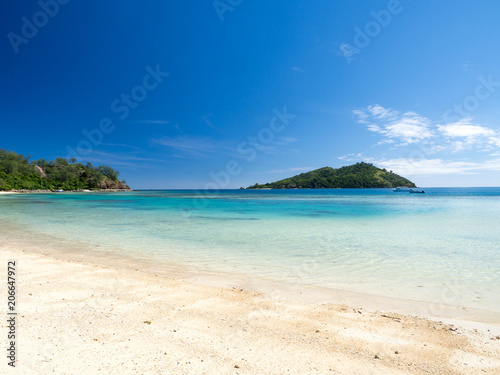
(20, 174)
(360, 175)
(197, 326)
(40, 191)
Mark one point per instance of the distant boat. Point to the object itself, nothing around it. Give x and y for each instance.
(417, 191)
(400, 189)
(60, 190)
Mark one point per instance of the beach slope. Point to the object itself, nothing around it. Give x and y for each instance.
(82, 318)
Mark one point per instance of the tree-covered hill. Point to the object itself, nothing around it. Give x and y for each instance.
(360, 175)
(17, 172)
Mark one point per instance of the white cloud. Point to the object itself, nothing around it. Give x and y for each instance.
(431, 148)
(421, 167)
(361, 115)
(458, 146)
(495, 141)
(408, 127)
(385, 142)
(374, 128)
(465, 128)
(380, 112)
(351, 157)
(293, 169)
(464, 134)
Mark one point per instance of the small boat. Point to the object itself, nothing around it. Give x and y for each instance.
(60, 190)
(417, 191)
(400, 190)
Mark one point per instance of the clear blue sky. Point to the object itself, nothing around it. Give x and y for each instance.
(179, 94)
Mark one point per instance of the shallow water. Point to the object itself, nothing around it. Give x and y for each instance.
(442, 246)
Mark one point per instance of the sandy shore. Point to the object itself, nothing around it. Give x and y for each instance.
(82, 318)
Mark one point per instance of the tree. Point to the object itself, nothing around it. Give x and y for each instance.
(17, 172)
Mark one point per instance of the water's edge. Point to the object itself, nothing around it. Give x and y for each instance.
(21, 239)
(441, 249)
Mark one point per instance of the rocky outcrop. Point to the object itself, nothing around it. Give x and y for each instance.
(42, 173)
(114, 185)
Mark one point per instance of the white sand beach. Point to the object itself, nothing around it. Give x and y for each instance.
(78, 317)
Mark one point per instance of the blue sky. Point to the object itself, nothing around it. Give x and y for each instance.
(227, 93)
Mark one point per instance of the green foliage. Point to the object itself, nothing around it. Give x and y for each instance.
(360, 175)
(17, 172)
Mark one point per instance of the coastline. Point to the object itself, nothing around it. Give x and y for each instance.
(107, 315)
(42, 191)
(91, 254)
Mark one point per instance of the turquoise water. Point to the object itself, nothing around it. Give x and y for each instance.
(441, 247)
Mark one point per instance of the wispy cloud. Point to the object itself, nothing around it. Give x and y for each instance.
(361, 115)
(464, 134)
(467, 66)
(119, 159)
(407, 127)
(159, 122)
(429, 147)
(345, 49)
(121, 145)
(184, 146)
(426, 167)
(154, 122)
(284, 141)
(465, 129)
(410, 127)
(206, 120)
(495, 140)
(194, 147)
(293, 169)
(279, 146)
(351, 157)
(297, 69)
(381, 113)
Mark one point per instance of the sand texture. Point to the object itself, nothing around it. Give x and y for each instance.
(83, 318)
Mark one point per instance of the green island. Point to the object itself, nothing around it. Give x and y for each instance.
(17, 172)
(359, 175)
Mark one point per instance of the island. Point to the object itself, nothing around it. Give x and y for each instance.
(359, 175)
(18, 173)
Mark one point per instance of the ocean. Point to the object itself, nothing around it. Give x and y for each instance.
(442, 246)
